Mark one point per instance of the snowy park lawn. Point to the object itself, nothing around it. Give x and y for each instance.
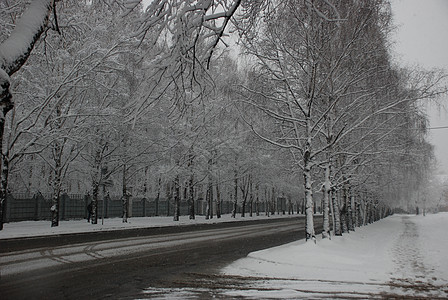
(42, 228)
(400, 256)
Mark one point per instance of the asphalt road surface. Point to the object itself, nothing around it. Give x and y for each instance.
(122, 264)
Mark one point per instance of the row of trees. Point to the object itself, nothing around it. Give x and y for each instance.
(121, 99)
(324, 78)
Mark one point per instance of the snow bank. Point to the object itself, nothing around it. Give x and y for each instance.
(433, 242)
(395, 257)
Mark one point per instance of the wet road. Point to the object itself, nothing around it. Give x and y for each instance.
(123, 264)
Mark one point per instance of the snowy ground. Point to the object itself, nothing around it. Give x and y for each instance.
(42, 228)
(400, 256)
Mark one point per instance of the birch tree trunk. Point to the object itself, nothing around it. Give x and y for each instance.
(235, 196)
(257, 200)
(169, 195)
(125, 197)
(344, 210)
(245, 193)
(326, 202)
(358, 220)
(191, 197)
(350, 211)
(218, 201)
(176, 199)
(210, 198)
(3, 188)
(309, 225)
(56, 184)
(272, 202)
(96, 186)
(336, 213)
(251, 197)
(266, 201)
(365, 210)
(243, 205)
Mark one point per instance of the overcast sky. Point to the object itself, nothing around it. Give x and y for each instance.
(422, 38)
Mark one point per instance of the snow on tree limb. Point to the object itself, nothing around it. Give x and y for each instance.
(15, 50)
(4, 85)
(188, 23)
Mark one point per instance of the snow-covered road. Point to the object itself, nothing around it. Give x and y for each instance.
(33, 259)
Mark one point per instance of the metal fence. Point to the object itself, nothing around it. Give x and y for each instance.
(24, 207)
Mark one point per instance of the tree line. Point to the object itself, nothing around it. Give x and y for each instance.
(109, 96)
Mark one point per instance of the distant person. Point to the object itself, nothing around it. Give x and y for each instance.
(89, 211)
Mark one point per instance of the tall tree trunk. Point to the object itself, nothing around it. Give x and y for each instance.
(169, 195)
(176, 199)
(336, 213)
(4, 188)
(327, 172)
(245, 193)
(207, 202)
(218, 201)
(56, 184)
(96, 185)
(210, 198)
(125, 197)
(358, 219)
(191, 185)
(350, 211)
(362, 211)
(145, 185)
(344, 209)
(368, 212)
(272, 204)
(156, 204)
(55, 202)
(257, 200)
(243, 205)
(266, 201)
(251, 197)
(191, 197)
(309, 223)
(326, 201)
(290, 206)
(235, 196)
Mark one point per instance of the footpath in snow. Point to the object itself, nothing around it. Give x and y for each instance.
(402, 256)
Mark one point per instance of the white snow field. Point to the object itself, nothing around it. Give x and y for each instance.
(398, 257)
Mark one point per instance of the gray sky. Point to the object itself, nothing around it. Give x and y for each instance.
(422, 38)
